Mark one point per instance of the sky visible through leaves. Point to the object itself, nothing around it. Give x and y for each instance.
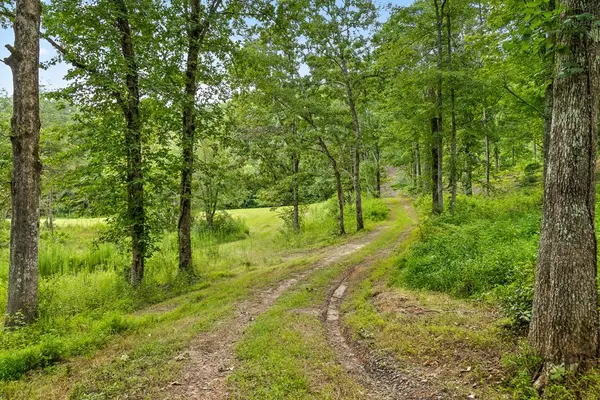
(52, 78)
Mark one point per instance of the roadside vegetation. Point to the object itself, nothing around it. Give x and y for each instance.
(457, 302)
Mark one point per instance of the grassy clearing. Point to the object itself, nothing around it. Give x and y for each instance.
(82, 312)
(284, 354)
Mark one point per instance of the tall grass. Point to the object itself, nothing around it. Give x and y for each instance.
(487, 243)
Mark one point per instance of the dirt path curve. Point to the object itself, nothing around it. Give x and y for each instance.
(210, 358)
(379, 374)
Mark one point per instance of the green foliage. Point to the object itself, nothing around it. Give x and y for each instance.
(486, 244)
(375, 209)
(532, 174)
(225, 228)
(84, 297)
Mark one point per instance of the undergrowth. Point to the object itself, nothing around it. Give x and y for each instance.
(487, 251)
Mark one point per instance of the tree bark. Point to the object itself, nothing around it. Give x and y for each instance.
(295, 197)
(437, 205)
(496, 158)
(426, 172)
(438, 126)
(564, 326)
(549, 94)
(417, 164)
(549, 100)
(453, 162)
(22, 302)
(338, 184)
(468, 170)
(133, 142)
(356, 160)
(50, 214)
(184, 226)
(196, 33)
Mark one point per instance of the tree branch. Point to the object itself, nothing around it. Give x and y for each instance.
(542, 114)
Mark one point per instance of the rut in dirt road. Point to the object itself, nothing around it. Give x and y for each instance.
(379, 374)
(211, 358)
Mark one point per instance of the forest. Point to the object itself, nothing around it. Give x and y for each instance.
(299, 199)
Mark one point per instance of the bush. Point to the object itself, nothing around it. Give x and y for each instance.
(532, 174)
(286, 214)
(225, 228)
(4, 233)
(375, 209)
(516, 299)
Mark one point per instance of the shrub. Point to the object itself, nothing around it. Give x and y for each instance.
(286, 214)
(375, 209)
(532, 174)
(225, 228)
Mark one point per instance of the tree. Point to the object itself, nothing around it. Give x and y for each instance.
(114, 41)
(197, 31)
(437, 124)
(564, 326)
(26, 173)
(336, 34)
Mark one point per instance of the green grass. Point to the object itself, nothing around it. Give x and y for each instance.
(486, 244)
(428, 332)
(84, 310)
(285, 355)
(486, 251)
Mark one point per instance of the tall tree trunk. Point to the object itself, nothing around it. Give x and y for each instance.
(426, 172)
(377, 171)
(468, 169)
(188, 140)
(50, 214)
(338, 185)
(496, 158)
(549, 94)
(549, 99)
(453, 161)
(295, 199)
(438, 126)
(356, 159)
(435, 193)
(133, 142)
(564, 325)
(22, 302)
(417, 164)
(487, 154)
(196, 33)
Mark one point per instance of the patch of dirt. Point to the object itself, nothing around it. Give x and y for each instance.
(211, 358)
(391, 302)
